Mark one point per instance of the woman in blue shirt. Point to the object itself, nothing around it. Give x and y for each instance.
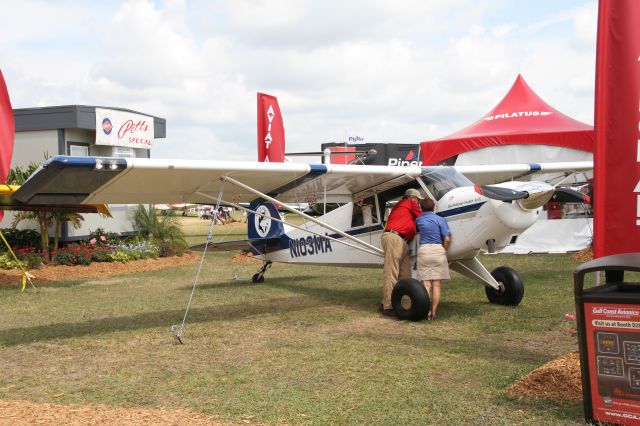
(433, 266)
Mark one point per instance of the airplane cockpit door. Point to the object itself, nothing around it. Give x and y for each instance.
(365, 217)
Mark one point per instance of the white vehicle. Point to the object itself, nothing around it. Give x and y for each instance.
(485, 215)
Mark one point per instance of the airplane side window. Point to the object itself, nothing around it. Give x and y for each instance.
(357, 219)
(365, 212)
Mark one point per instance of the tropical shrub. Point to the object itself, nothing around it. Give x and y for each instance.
(19, 238)
(103, 236)
(168, 249)
(158, 228)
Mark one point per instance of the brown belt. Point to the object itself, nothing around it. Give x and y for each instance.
(406, 240)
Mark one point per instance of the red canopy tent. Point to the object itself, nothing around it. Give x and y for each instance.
(521, 117)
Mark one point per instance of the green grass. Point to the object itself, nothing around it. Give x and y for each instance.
(306, 347)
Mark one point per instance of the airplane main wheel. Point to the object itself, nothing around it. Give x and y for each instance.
(512, 287)
(410, 300)
(257, 278)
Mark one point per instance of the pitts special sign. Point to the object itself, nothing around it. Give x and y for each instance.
(120, 128)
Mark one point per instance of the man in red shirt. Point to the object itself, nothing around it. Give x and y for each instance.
(400, 230)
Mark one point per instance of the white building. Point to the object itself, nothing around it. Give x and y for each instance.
(84, 130)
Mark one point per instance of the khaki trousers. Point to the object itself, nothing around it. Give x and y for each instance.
(397, 264)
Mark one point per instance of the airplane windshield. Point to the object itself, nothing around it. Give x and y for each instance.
(440, 180)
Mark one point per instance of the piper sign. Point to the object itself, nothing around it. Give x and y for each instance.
(120, 128)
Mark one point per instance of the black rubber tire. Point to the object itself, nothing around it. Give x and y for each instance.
(513, 287)
(257, 278)
(416, 294)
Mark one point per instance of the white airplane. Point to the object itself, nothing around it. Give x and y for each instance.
(485, 215)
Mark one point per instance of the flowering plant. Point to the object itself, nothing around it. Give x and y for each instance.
(82, 253)
(29, 256)
(571, 317)
(72, 254)
(131, 251)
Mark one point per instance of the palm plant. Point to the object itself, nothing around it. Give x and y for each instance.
(162, 228)
(75, 219)
(45, 219)
(17, 176)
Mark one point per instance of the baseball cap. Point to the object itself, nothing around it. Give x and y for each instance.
(412, 192)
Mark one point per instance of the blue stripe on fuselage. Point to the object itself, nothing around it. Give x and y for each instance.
(260, 246)
(461, 210)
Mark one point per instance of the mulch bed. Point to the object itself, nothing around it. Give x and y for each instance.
(584, 255)
(244, 258)
(559, 379)
(52, 272)
(25, 412)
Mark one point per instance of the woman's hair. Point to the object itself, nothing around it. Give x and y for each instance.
(427, 204)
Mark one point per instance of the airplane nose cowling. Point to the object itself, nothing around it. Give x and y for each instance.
(539, 194)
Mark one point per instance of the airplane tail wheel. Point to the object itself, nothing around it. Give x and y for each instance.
(410, 300)
(257, 278)
(512, 287)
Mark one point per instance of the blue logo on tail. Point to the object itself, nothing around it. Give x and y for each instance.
(261, 224)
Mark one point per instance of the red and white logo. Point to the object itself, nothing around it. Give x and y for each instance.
(517, 114)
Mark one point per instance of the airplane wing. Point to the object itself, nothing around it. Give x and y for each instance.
(66, 180)
(496, 173)
(8, 202)
(90, 180)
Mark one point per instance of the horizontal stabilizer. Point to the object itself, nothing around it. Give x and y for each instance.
(224, 246)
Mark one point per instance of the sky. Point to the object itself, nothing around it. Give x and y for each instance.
(401, 71)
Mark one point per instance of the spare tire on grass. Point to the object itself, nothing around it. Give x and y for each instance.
(410, 300)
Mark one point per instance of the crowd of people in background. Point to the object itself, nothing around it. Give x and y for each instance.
(220, 216)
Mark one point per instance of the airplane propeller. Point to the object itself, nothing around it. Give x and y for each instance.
(532, 195)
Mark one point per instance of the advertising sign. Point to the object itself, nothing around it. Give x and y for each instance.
(387, 154)
(616, 218)
(613, 348)
(270, 129)
(342, 159)
(121, 128)
(7, 131)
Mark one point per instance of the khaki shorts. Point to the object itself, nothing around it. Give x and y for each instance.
(432, 262)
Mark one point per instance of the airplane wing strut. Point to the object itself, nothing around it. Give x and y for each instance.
(306, 216)
(284, 222)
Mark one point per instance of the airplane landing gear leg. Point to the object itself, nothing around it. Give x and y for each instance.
(258, 277)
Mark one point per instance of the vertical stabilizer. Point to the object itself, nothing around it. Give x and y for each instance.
(261, 226)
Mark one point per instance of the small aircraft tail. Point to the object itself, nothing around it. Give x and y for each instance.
(270, 130)
(260, 225)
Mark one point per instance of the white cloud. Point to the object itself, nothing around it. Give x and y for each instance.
(400, 71)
